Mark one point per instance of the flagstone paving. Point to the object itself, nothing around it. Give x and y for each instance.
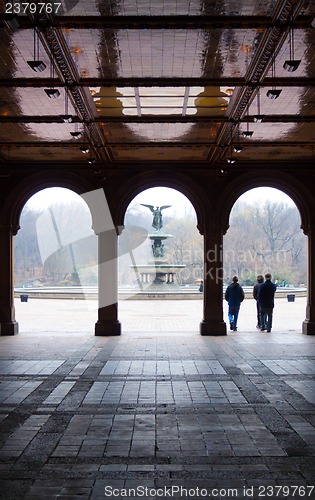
(156, 414)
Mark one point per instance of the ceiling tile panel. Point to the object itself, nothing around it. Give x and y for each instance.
(170, 7)
(117, 133)
(93, 51)
(234, 51)
(14, 132)
(156, 53)
(35, 102)
(183, 153)
(41, 154)
(290, 102)
(83, 8)
(277, 152)
(163, 101)
(34, 132)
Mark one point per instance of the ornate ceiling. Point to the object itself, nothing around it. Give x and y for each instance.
(172, 82)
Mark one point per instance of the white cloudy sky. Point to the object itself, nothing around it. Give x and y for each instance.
(154, 196)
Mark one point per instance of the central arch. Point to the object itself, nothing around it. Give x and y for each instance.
(156, 263)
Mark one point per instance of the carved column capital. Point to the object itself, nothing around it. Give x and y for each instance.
(213, 227)
(119, 229)
(308, 229)
(10, 228)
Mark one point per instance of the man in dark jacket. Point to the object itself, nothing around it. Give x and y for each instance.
(266, 294)
(260, 280)
(234, 295)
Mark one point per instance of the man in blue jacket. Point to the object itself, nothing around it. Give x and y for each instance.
(234, 295)
(266, 294)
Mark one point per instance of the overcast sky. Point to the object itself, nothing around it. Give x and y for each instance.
(155, 196)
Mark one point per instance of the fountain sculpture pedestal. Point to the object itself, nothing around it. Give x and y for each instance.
(158, 274)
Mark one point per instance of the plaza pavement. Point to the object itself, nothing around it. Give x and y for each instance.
(159, 411)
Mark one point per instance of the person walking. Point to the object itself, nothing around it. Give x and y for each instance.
(266, 294)
(260, 280)
(234, 295)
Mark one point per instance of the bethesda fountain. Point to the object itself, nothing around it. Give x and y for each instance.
(158, 273)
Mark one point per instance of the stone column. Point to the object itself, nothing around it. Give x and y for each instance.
(213, 323)
(8, 325)
(308, 327)
(108, 323)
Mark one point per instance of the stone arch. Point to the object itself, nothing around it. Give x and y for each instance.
(21, 193)
(303, 199)
(287, 184)
(11, 210)
(189, 188)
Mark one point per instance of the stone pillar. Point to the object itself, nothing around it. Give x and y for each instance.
(108, 323)
(308, 327)
(213, 323)
(8, 325)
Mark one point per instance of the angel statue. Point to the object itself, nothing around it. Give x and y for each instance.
(157, 215)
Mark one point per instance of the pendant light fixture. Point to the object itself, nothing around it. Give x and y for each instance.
(51, 92)
(274, 92)
(237, 148)
(231, 159)
(84, 148)
(291, 64)
(66, 118)
(259, 117)
(247, 132)
(76, 134)
(36, 65)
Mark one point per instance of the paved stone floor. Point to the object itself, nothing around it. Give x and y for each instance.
(159, 411)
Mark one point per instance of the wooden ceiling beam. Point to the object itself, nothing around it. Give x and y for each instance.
(160, 119)
(299, 81)
(157, 144)
(163, 22)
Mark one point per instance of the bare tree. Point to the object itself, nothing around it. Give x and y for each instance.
(26, 252)
(270, 238)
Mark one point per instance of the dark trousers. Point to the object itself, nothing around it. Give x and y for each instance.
(233, 315)
(266, 318)
(258, 314)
